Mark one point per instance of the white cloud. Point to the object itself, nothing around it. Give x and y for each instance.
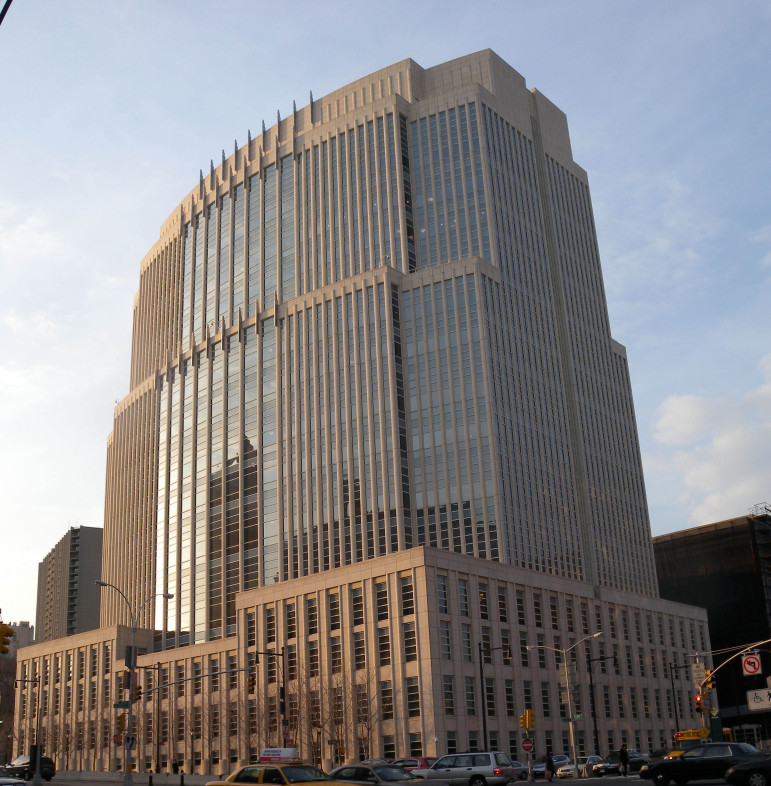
(715, 452)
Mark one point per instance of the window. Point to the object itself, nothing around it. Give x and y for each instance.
(445, 648)
(537, 610)
(359, 656)
(483, 609)
(449, 694)
(381, 593)
(270, 625)
(503, 614)
(291, 662)
(334, 611)
(487, 653)
(521, 619)
(384, 647)
(408, 598)
(465, 641)
(553, 608)
(312, 616)
(463, 597)
(357, 606)
(505, 647)
(471, 703)
(523, 651)
(291, 621)
(410, 642)
(413, 697)
(441, 594)
(490, 695)
(508, 689)
(386, 700)
(336, 655)
(545, 704)
(313, 659)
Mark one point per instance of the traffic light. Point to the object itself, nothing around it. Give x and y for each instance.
(523, 720)
(708, 683)
(529, 719)
(6, 634)
(136, 693)
(127, 680)
(120, 723)
(250, 682)
(697, 708)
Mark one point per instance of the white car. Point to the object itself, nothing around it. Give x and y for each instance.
(585, 765)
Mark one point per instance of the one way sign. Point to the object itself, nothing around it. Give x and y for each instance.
(759, 699)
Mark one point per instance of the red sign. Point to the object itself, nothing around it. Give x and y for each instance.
(751, 664)
(527, 745)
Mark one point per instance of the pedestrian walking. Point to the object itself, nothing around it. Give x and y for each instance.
(623, 757)
(549, 769)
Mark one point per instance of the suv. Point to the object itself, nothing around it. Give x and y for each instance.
(21, 767)
(477, 768)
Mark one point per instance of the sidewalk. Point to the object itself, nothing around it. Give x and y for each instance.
(140, 778)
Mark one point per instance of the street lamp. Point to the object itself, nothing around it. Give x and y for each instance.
(589, 662)
(128, 740)
(564, 653)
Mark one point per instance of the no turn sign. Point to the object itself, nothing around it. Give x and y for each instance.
(751, 664)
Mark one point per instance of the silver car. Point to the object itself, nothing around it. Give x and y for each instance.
(478, 768)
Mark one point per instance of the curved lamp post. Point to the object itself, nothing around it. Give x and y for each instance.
(127, 778)
(564, 653)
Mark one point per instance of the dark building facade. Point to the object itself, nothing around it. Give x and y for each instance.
(66, 603)
(725, 567)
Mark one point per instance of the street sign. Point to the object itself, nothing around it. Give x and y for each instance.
(121, 705)
(527, 745)
(759, 699)
(698, 673)
(751, 665)
(131, 742)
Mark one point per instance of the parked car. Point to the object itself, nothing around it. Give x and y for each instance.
(22, 767)
(477, 768)
(520, 770)
(539, 766)
(707, 761)
(585, 767)
(376, 773)
(414, 763)
(611, 764)
(752, 772)
(7, 780)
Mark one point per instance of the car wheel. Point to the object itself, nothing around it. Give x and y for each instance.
(477, 780)
(660, 779)
(523, 776)
(757, 778)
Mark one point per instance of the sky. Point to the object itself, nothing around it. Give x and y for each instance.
(108, 110)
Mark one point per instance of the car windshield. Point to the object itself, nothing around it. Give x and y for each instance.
(304, 774)
(391, 774)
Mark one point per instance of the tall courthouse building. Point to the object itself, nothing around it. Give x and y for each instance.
(380, 447)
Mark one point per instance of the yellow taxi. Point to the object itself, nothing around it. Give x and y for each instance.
(281, 766)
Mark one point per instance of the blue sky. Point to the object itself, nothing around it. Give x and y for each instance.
(109, 110)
